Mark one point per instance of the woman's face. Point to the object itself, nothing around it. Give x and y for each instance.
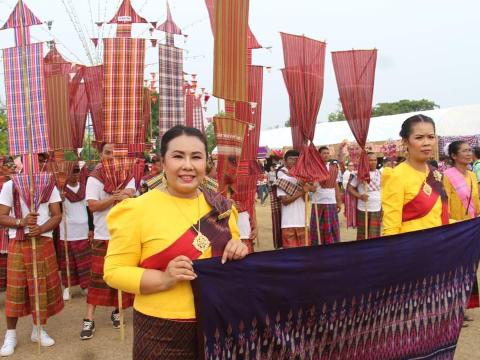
(464, 155)
(185, 165)
(421, 142)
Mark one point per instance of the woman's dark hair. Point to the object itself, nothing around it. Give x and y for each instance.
(433, 163)
(407, 125)
(290, 153)
(180, 130)
(321, 148)
(476, 152)
(454, 147)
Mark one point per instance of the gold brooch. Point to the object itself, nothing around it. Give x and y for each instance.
(437, 175)
(201, 243)
(427, 189)
(225, 214)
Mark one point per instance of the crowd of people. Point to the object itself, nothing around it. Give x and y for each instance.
(112, 246)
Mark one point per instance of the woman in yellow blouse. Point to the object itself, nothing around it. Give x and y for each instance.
(154, 239)
(461, 183)
(413, 197)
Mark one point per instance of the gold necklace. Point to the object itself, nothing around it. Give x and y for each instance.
(200, 242)
(427, 189)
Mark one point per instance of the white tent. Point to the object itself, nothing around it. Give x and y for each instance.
(455, 121)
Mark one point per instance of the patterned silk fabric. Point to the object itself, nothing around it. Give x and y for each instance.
(171, 108)
(124, 62)
(18, 96)
(397, 297)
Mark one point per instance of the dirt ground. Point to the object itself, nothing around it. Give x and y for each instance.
(65, 327)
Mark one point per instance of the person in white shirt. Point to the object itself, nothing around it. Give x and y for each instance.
(291, 194)
(326, 204)
(77, 240)
(100, 202)
(23, 226)
(346, 175)
(369, 199)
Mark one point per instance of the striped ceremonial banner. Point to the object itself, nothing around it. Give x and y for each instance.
(198, 114)
(118, 172)
(355, 74)
(61, 171)
(189, 105)
(15, 21)
(252, 42)
(171, 102)
(230, 80)
(124, 63)
(304, 77)
(41, 183)
(93, 79)
(169, 25)
(78, 115)
(126, 15)
(57, 80)
(147, 107)
(17, 99)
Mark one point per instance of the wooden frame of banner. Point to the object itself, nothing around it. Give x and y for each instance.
(306, 219)
(67, 258)
(365, 184)
(30, 170)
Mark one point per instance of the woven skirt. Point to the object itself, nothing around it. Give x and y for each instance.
(79, 258)
(3, 272)
(155, 338)
(20, 300)
(99, 293)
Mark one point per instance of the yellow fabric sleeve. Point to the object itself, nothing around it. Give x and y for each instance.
(393, 194)
(233, 224)
(121, 269)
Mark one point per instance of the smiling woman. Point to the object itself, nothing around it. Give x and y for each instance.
(413, 197)
(151, 256)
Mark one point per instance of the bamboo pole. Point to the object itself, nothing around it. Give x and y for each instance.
(306, 218)
(67, 258)
(30, 170)
(122, 315)
(317, 222)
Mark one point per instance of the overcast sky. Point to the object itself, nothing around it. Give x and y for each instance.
(426, 49)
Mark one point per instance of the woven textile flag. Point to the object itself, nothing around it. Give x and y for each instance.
(147, 104)
(78, 115)
(118, 172)
(18, 95)
(126, 15)
(93, 79)
(252, 42)
(355, 74)
(304, 76)
(61, 171)
(171, 102)
(229, 134)
(124, 63)
(197, 116)
(21, 16)
(57, 80)
(398, 297)
(189, 105)
(230, 79)
(41, 183)
(169, 25)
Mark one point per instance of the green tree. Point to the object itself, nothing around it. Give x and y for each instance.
(393, 108)
(287, 123)
(3, 133)
(153, 117)
(211, 138)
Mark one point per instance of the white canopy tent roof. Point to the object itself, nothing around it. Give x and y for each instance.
(455, 121)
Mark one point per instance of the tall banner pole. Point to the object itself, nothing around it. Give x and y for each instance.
(67, 257)
(30, 171)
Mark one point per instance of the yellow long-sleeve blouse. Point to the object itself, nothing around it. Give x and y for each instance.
(402, 185)
(455, 206)
(143, 227)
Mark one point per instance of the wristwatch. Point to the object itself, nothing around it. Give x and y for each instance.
(18, 222)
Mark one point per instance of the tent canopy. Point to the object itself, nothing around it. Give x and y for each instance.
(455, 121)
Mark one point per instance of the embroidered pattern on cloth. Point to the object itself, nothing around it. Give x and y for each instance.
(353, 311)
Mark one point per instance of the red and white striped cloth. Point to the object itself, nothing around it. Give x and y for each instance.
(18, 95)
(124, 64)
(93, 79)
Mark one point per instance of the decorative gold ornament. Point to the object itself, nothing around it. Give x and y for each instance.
(427, 189)
(201, 242)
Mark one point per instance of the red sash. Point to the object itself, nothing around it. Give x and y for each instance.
(214, 226)
(423, 203)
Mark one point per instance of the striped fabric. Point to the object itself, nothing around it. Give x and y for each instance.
(126, 14)
(15, 78)
(78, 115)
(124, 31)
(138, 171)
(41, 184)
(198, 115)
(118, 172)
(79, 256)
(169, 25)
(171, 102)
(55, 64)
(252, 42)
(147, 107)
(230, 80)
(124, 63)
(61, 171)
(355, 74)
(93, 79)
(230, 134)
(59, 122)
(3, 234)
(189, 105)
(28, 18)
(304, 77)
